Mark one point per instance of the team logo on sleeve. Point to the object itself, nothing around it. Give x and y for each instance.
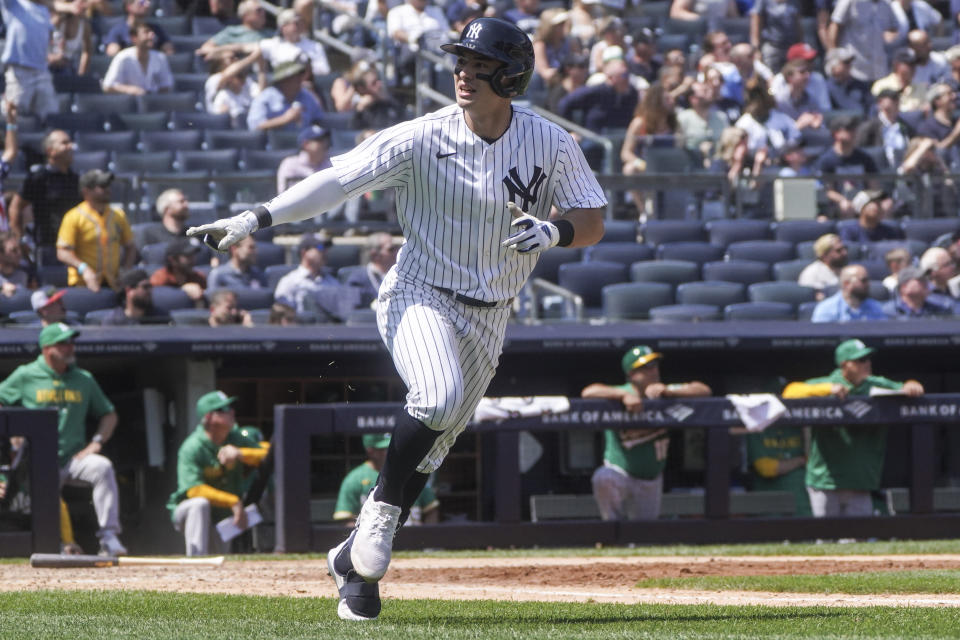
(524, 194)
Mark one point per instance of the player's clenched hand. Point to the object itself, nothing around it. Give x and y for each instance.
(532, 234)
(220, 235)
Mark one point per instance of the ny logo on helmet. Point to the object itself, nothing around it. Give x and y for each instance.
(474, 31)
(527, 192)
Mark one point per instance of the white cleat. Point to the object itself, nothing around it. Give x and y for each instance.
(359, 599)
(370, 551)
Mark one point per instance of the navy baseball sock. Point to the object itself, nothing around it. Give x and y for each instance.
(410, 441)
(411, 491)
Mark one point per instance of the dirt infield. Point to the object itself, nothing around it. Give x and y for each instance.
(606, 579)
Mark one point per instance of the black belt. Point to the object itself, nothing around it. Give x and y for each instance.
(471, 302)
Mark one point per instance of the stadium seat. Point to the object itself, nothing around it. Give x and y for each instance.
(236, 139)
(104, 103)
(257, 159)
(781, 291)
(190, 317)
(85, 160)
(205, 25)
(548, 263)
(672, 272)
(759, 311)
(699, 252)
(200, 120)
(53, 274)
(879, 291)
(153, 254)
(711, 292)
(657, 232)
(154, 121)
(116, 141)
(587, 280)
(195, 185)
(805, 311)
(929, 230)
(685, 313)
(144, 162)
(789, 270)
(252, 297)
(19, 301)
(214, 160)
(186, 140)
(619, 231)
(281, 139)
(269, 253)
(181, 62)
(633, 300)
(769, 251)
(342, 255)
(877, 250)
(361, 318)
(69, 121)
(876, 269)
(171, 24)
(742, 271)
(725, 232)
(623, 252)
(169, 298)
(189, 42)
(190, 82)
(89, 83)
(275, 272)
(796, 231)
(95, 318)
(82, 300)
(173, 101)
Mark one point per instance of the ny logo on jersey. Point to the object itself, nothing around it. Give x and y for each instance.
(526, 192)
(474, 31)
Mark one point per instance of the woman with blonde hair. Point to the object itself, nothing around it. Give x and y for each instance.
(552, 44)
(654, 116)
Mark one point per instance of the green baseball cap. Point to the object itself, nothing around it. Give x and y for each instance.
(637, 357)
(253, 433)
(57, 332)
(851, 350)
(376, 441)
(212, 401)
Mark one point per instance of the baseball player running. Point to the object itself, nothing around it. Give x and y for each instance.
(475, 183)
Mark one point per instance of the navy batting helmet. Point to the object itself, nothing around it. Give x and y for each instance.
(499, 40)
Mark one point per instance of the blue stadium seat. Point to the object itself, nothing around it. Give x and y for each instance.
(619, 231)
(82, 300)
(144, 162)
(633, 300)
(797, 231)
(172, 101)
(200, 120)
(361, 318)
(768, 251)
(725, 232)
(93, 122)
(19, 301)
(930, 229)
(548, 263)
(282, 139)
(96, 317)
(169, 298)
(205, 25)
(805, 311)
(258, 159)
(190, 82)
(236, 139)
(672, 272)
(876, 269)
(742, 271)
(195, 185)
(63, 83)
(759, 311)
(789, 270)
(186, 140)
(253, 298)
(656, 232)
(699, 252)
(275, 272)
(190, 317)
(116, 141)
(342, 255)
(188, 42)
(104, 103)
(877, 250)
(85, 160)
(181, 62)
(153, 121)
(55, 274)
(152, 254)
(171, 24)
(879, 291)
(587, 280)
(711, 292)
(685, 313)
(781, 291)
(213, 160)
(269, 253)
(623, 252)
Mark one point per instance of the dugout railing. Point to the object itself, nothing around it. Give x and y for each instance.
(296, 425)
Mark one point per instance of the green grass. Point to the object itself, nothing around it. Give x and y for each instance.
(109, 615)
(852, 583)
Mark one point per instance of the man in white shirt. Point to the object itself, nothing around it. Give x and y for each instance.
(139, 69)
(407, 23)
(825, 270)
(312, 285)
(290, 44)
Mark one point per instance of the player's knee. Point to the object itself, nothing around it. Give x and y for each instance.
(439, 414)
(100, 466)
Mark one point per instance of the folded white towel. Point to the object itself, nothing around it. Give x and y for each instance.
(517, 406)
(757, 410)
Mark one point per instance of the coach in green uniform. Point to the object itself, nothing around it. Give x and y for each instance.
(361, 480)
(210, 472)
(53, 381)
(777, 458)
(845, 463)
(630, 482)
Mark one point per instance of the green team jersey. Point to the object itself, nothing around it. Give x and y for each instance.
(644, 460)
(359, 483)
(780, 443)
(75, 395)
(197, 464)
(848, 457)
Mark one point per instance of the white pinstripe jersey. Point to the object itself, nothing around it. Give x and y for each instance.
(452, 194)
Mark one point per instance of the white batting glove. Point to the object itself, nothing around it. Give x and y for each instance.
(532, 234)
(222, 234)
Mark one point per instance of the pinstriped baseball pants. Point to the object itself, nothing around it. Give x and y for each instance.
(446, 352)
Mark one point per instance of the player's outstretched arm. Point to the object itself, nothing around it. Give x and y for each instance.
(317, 194)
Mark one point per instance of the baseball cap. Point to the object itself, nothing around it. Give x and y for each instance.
(96, 178)
(801, 51)
(851, 350)
(286, 70)
(864, 198)
(212, 401)
(253, 433)
(937, 90)
(313, 132)
(309, 241)
(42, 297)
(613, 52)
(840, 54)
(905, 55)
(909, 273)
(180, 247)
(56, 333)
(376, 440)
(637, 357)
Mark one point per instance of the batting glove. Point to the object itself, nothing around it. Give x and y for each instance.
(223, 234)
(532, 234)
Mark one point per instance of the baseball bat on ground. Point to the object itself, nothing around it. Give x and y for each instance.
(60, 561)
